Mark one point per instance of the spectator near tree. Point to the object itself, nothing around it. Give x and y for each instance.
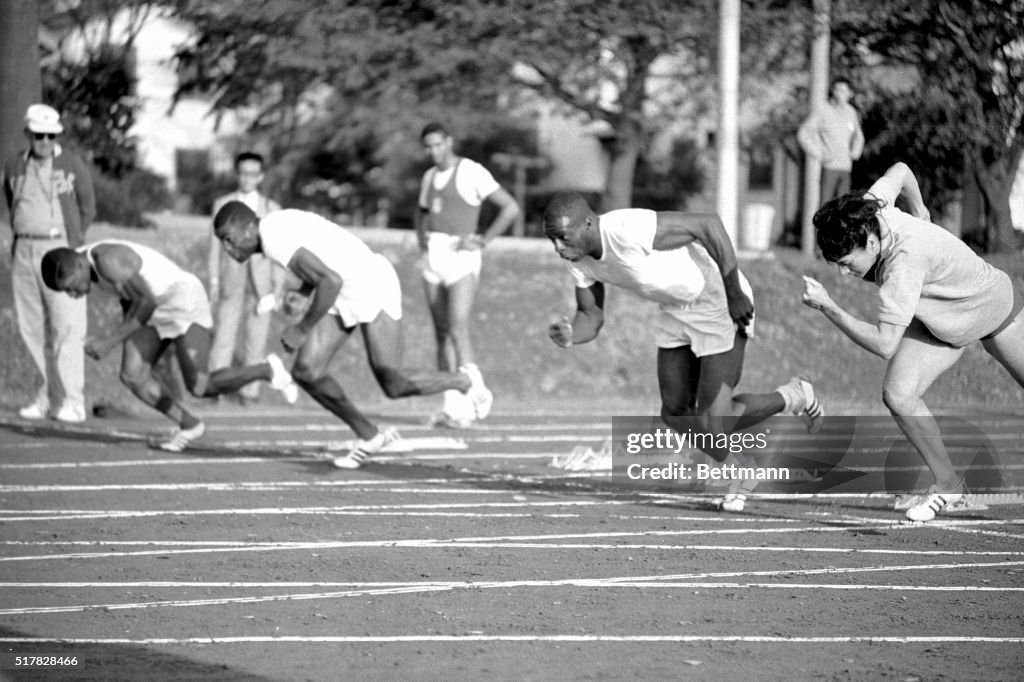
(832, 134)
(50, 198)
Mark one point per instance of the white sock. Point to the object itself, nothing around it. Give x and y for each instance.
(792, 397)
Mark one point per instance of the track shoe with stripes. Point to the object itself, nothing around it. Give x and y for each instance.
(362, 449)
(932, 503)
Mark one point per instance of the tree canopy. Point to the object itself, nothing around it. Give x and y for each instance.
(956, 112)
(632, 68)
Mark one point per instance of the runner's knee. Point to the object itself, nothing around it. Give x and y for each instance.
(198, 386)
(393, 382)
(899, 400)
(134, 377)
(305, 375)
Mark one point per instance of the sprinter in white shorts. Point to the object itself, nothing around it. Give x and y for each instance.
(686, 264)
(163, 306)
(351, 287)
(451, 194)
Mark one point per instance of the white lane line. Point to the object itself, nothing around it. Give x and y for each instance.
(447, 544)
(596, 582)
(987, 533)
(242, 486)
(419, 588)
(271, 458)
(29, 514)
(702, 548)
(411, 544)
(424, 639)
(47, 444)
(181, 461)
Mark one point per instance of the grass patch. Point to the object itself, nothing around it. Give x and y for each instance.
(524, 285)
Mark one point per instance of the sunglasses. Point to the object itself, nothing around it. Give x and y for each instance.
(45, 136)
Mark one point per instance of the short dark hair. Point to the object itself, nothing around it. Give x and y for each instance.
(55, 265)
(836, 81)
(434, 127)
(233, 213)
(844, 223)
(249, 156)
(571, 205)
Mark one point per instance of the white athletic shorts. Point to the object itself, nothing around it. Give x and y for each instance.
(444, 263)
(183, 305)
(707, 332)
(380, 292)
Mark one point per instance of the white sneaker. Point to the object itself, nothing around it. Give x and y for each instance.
(906, 501)
(443, 420)
(931, 504)
(72, 414)
(182, 438)
(362, 449)
(478, 393)
(37, 410)
(281, 379)
(733, 502)
(803, 403)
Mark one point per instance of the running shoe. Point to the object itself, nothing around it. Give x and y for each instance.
(478, 393)
(182, 438)
(443, 420)
(801, 401)
(37, 410)
(932, 502)
(733, 502)
(281, 379)
(361, 450)
(906, 501)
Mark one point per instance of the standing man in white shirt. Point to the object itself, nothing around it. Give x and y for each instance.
(451, 194)
(686, 264)
(832, 134)
(351, 288)
(250, 290)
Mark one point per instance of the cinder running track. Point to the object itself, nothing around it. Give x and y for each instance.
(470, 558)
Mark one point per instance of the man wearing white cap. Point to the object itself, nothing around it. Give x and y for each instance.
(50, 199)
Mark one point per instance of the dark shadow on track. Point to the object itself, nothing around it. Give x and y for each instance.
(102, 662)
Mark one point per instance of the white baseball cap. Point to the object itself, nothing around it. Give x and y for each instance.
(41, 118)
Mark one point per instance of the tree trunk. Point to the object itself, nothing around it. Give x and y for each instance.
(19, 70)
(618, 193)
(972, 210)
(995, 183)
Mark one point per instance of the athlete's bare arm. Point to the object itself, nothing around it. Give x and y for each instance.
(325, 284)
(119, 266)
(909, 189)
(676, 230)
(882, 339)
(421, 221)
(587, 322)
(508, 209)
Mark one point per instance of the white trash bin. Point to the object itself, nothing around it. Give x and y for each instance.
(757, 227)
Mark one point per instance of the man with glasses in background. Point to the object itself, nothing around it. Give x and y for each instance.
(251, 290)
(51, 203)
